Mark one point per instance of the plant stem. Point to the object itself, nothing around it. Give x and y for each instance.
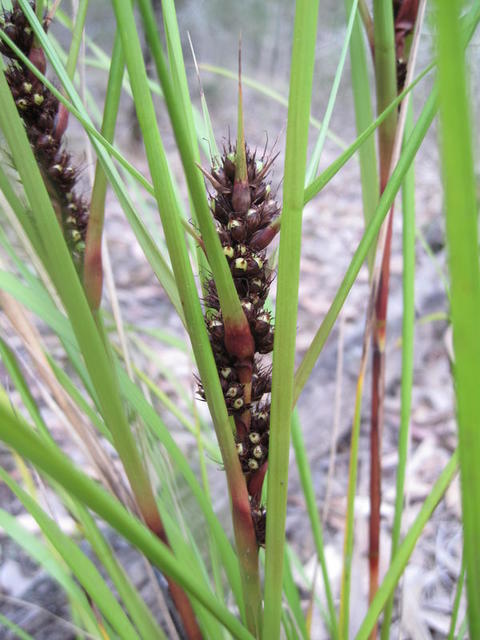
(301, 78)
(462, 245)
(315, 523)
(406, 548)
(243, 526)
(92, 270)
(242, 521)
(408, 328)
(421, 127)
(363, 119)
(386, 85)
(77, 32)
(456, 602)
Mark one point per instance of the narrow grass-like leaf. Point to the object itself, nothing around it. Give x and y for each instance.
(413, 144)
(213, 152)
(179, 110)
(81, 566)
(92, 270)
(462, 246)
(245, 535)
(181, 92)
(306, 481)
(301, 76)
(292, 597)
(50, 562)
(185, 547)
(406, 548)
(170, 405)
(456, 602)
(62, 272)
(363, 118)
(140, 614)
(317, 152)
(18, 631)
(269, 93)
(408, 328)
(25, 217)
(57, 466)
(322, 180)
(11, 365)
(348, 543)
(77, 32)
(39, 303)
(177, 70)
(463, 629)
(78, 398)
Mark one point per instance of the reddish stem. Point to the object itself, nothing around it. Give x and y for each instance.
(378, 382)
(179, 597)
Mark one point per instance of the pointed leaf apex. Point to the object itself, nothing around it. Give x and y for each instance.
(241, 190)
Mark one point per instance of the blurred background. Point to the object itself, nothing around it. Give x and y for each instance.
(333, 226)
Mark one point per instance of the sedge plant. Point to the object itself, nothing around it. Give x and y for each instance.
(209, 248)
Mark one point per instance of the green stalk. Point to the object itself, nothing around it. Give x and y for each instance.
(312, 168)
(62, 272)
(92, 271)
(462, 245)
(469, 24)
(363, 118)
(236, 325)
(306, 481)
(324, 178)
(408, 330)
(161, 269)
(344, 615)
(406, 548)
(386, 86)
(413, 144)
(386, 81)
(456, 602)
(301, 76)
(57, 466)
(77, 32)
(265, 90)
(244, 532)
(180, 84)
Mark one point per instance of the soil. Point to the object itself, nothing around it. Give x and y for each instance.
(332, 228)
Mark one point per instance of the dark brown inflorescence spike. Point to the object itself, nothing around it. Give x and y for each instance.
(45, 120)
(405, 15)
(237, 227)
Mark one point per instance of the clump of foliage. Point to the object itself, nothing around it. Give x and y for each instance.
(222, 590)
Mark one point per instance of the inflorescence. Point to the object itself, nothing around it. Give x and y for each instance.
(243, 226)
(45, 120)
